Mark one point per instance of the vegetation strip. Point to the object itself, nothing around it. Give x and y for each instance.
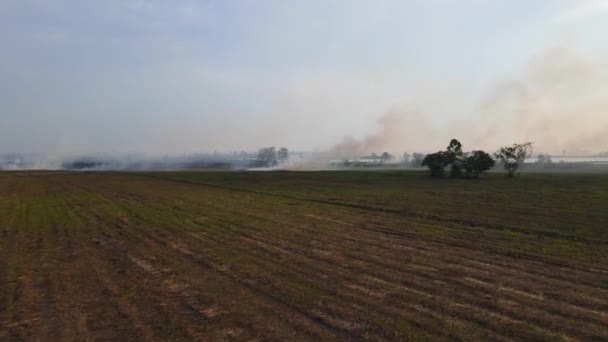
(536, 232)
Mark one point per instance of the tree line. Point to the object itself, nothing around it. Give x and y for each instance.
(473, 164)
(453, 160)
(272, 157)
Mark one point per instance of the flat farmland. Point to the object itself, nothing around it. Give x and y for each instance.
(342, 255)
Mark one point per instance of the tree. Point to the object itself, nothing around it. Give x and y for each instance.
(455, 147)
(283, 155)
(385, 157)
(437, 162)
(454, 157)
(513, 156)
(268, 157)
(476, 162)
(543, 159)
(406, 158)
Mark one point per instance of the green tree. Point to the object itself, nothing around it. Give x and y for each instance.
(512, 157)
(454, 155)
(437, 162)
(476, 162)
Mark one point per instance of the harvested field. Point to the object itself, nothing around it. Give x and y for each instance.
(302, 256)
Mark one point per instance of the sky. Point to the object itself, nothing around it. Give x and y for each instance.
(182, 76)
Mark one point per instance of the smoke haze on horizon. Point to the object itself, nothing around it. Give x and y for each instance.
(559, 104)
(183, 77)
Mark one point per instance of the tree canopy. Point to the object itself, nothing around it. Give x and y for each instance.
(476, 162)
(268, 157)
(473, 163)
(512, 157)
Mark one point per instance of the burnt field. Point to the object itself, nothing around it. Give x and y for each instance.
(349, 255)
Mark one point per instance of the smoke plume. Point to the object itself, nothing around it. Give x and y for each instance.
(559, 103)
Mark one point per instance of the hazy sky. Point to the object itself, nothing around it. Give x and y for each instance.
(185, 76)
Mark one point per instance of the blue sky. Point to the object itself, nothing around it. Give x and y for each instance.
(185, 76)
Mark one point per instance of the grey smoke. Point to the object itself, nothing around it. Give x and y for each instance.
(559, 102)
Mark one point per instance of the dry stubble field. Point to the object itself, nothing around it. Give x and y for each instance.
(302, 256)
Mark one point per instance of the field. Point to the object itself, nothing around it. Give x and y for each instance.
(345, 255)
